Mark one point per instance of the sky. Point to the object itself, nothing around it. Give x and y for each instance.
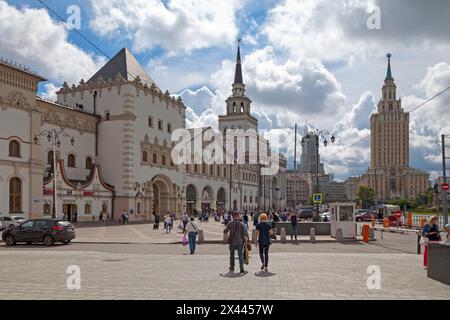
(318, 63)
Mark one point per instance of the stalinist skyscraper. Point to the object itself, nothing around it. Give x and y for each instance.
(390, 174)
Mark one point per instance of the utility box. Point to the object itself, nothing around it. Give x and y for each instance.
(343, 217)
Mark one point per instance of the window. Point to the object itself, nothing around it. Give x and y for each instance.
(108, 116)
(15, 195)
(50, 158)
(79, 106)
(14, 149)
(195, 168)
(224, 172)
(160, 125)
(71, 161)
(150, 122)
(144, 156)
(155, 158)
(211, 170)
(204, 168)
(87, 208)
(163, 160)
(169, 128)
(139, 208)
(88, 163)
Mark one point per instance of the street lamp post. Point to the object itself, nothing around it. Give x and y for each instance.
(54, 136)
(324, 134)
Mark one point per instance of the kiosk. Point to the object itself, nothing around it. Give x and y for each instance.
(343, 217)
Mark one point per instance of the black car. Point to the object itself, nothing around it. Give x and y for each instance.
(307, 213)
(47, 231)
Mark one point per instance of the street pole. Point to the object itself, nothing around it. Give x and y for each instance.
(317, 171)
(55, 196)
(444, 192)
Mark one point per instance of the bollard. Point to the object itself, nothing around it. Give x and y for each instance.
(339, 235)
(254, 235)
(366, 233)
(386, 223)
(409, 221)
(283, 235)
(201, 236)
(312, 235)
(418, 243)
(225, 238)
(373, 221)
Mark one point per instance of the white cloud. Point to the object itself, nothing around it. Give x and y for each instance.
(49, 92)
(176, 25)
(32, 37)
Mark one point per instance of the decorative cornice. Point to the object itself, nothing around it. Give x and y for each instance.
(68, 122)
(16, 100)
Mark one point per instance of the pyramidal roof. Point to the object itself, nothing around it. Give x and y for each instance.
(126, 64)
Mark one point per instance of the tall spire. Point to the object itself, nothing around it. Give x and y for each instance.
(389, 71)
(238, 79)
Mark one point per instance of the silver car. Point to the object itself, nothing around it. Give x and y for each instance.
(10, 221)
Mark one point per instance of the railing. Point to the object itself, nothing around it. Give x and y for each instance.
(16, 65)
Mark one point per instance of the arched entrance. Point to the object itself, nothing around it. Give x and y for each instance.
(162, 191)
(207, 198)
(191, 199)
(221, 198)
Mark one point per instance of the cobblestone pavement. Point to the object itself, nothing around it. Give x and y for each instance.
(42, 275)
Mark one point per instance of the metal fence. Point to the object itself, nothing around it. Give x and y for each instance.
(417, 217)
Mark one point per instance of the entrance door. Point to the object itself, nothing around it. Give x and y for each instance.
(70, 212)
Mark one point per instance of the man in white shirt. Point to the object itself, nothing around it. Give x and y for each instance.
(191, 231)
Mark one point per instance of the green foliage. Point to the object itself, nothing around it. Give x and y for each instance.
(366, 196)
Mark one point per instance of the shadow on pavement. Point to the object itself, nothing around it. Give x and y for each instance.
(264, 274)
(233, 275)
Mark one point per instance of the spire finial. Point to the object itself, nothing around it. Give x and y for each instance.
(238, 73)
(389, 70)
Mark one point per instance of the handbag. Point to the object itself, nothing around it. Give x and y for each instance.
(185, 241)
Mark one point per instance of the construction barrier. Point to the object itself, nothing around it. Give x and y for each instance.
(366, 233)
(386, 223)
(373, 221)
(409, 220)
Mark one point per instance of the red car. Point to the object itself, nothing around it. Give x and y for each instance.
(364, 216)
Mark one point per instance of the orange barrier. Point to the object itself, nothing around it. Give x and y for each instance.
(386, 223)
(366, 233)
(373, 221)
(409, 220)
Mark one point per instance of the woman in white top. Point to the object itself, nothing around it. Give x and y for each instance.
(191, 231)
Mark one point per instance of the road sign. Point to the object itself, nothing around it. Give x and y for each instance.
(445, 186)
(399, 214)
(317, 198)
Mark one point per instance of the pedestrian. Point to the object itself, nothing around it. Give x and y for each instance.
(294, 226)
(124, 216)
(255, 220)
(168, 223)
(191, 230)
(238, 236)
(431, 233)
(185, 220)
(263, 234)
(245, 218)
(100, 218)
(447, 230)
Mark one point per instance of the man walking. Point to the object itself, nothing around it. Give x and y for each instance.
(238, 236)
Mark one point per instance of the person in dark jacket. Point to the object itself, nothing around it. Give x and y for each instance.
(263, 233)
(294, 225)
(432, 234)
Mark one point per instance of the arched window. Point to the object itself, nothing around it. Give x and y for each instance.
(15, 195)
(104, 208)
(251, 199)
(211, 170)
(47, 209)
(163, 160)
(14, 149)
(155, 158)
(87, 208)
(50, 158)
(88, 163)
(144, 156)
(245, 199)
(71, 161)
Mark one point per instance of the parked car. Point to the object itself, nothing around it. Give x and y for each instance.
(365, 216)
(306, 213)
(10, 221)
(47, 231)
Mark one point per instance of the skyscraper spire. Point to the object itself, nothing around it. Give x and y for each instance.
(238, 79)
(389, 71)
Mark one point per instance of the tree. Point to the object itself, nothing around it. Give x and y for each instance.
(402, 203)
(366, 196)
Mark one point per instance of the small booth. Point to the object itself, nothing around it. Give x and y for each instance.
(343, 217)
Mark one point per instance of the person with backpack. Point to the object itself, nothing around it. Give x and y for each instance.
(191, 230)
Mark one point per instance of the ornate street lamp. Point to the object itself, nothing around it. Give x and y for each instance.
(54, 136)
(325, 135)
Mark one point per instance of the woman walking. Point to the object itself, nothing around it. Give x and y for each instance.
(263, 233)
(191, 230)
(431, 233)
